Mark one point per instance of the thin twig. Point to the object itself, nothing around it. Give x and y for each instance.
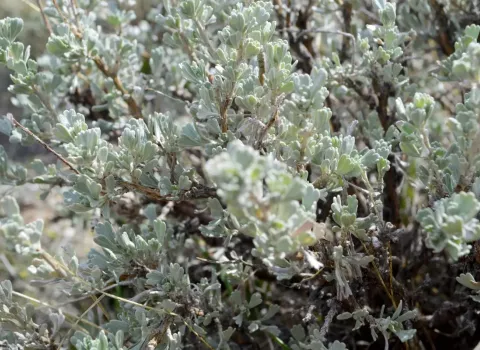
(47, 147)
(168, 96)
(74, 6)
(332, 31)
(32, 6)
(156, 337)
(44, 101)
(227, 102)
(390, 267)
(123, 283)
(60, 12)
(225, 262)
(80, 318)
(203, 35)
(191, 54)
(160, 311)
(132, 104)
(269, 124)
(361, 189)
(53, 263)
(152, 193)
(101, 307)
(379, 276)
(329, 318)
(133, 107)
(26, 297)
(45, 19)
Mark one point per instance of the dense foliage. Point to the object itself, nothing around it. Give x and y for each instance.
(285, 175)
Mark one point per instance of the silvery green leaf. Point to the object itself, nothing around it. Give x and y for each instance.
(216, 209)
(344, 316)
(468, 280)
(176, 272)
(160, 229)
(6, 290)
(150, 211)
(410, 149)
(10, 28)
(190, 137)
(184, 183)
(336, 345)
(236, 297)
(475, 298)
(370, 158)
(284, 244)
(387, 14)
(10, 206)
(39, 167)
(73, 265)
(57, 321)
(238, 319)
(110, 184)
(199, 329)
(255, 300)
(398, 310)
(253, 327)
(407, 316)
(119, 339)
(15, 137)
(227, 334)
(380, 4)
(272, 311)
(405, 335)
(168, 305)
(295, 190)
(298, 332)
(103, 341)
(6, 126)
(154, 278)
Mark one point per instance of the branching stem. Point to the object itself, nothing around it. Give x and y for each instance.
(47, 147)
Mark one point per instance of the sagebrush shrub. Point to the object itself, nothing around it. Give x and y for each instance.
(293, 171)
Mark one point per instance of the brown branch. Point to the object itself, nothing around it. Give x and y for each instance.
(223, 112)
(74, 6)
(376, 270)
(278, 6)
(52, 262)
(303, 18)
(445, 37)
(133, 107)
(132, 104)
(367, 98)
(47, 147)
(261, 68)
(44, 17)
(269, 124)
(153, 194)
(392, 200)
(382, 90)
(347, 11)
(65, 19)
